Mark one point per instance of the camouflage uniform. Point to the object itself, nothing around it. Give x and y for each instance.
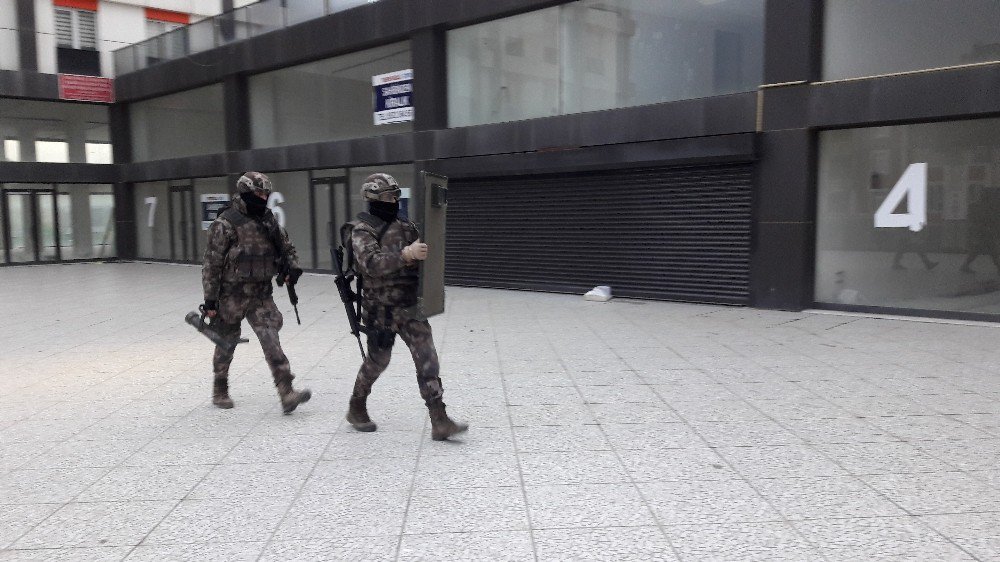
(390, 288)
(240, 261)
(390, 280)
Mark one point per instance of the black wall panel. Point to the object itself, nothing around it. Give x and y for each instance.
(664, 233)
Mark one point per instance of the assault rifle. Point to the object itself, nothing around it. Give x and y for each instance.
(352, 302)
(292, 295)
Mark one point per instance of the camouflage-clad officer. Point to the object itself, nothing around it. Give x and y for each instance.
(245, 247)
(387, 251)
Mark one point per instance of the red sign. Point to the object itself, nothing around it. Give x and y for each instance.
(86, 88)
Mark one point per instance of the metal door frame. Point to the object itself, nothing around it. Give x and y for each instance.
(181, 187)
(33, 193)
(331, 181)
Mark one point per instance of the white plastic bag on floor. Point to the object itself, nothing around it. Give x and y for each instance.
(601, 293)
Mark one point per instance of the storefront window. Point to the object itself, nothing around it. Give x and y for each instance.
(184, 124)
(324, 100)
(602, 54)
(37, 131)
(939, 247)
(872, 37)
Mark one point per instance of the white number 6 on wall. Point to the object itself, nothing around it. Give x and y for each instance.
(912, 185)
(272, 203)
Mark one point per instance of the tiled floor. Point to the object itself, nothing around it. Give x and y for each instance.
(625, 430)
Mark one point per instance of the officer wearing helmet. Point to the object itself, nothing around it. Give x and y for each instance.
(245, 246)
(387, 252)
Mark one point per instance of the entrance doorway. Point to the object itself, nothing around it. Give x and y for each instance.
(30, 214)
(331, 208)
(183, 233)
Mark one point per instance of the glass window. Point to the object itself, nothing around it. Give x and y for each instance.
(86, 221)
(604, 54)
(52, 151)
(76, 29)
(10, 51)
(872, 37)
(152, 221)
(183, 124)
(908, 217)
(37, 131)
(325, 100)
(98, 152)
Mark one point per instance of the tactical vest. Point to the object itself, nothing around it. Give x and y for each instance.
(252, 259)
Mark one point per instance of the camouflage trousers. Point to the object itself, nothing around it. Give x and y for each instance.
(416, 334)
(265, 319)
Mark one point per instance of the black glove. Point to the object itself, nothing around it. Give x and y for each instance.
(293, 275)
(211, 305)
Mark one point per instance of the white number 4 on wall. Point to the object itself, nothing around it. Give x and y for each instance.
(913, 186)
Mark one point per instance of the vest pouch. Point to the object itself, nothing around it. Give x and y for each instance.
(251, 268)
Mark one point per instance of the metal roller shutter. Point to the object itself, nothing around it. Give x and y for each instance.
(661, 233)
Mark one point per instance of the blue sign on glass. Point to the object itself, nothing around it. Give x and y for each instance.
(393, 97)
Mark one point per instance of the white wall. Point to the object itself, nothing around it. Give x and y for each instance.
(118, 25)
(8, 35)
(45, 26)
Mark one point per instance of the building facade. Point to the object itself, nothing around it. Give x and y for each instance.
(770, 153)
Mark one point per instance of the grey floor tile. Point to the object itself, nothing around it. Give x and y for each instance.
(941, 492)
(86, 454)
(883, 538)
(197, 552)
(587, 505)
(15, 520)
(882, 458)
(184, 452)
(18, 454)
(364, 512)
(551, 414)
(744, 541)
(576, 467)
(780, 462)
(344, 475)
(825, 497)
(513, 546)
(252, 480)
(609, 543)
(552, 438)
(46, 486)
(706, 501)
(477, 441)
(692, 463)
(842, 430)
(638, 412)
(381, 444)
(650, 435)
(226, 520)
(965, 454)
(465, 510)
(745, 433)
(706, 410)
(97, 524)
(467, 471)
(620, 394)
(134, 483)
(98, 554)
(278, 448)
(924, 428)
(361, 549)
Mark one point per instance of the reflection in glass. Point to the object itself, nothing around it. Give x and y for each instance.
(602, 55)
(151, 221)
(324, 100)
(178, 125)
(102, 225)
(953, 262)
(872, 37)
(37, 131)
(46, 226)
(22, 238)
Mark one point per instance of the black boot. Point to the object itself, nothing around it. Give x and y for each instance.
(220, 393)
(357, 415)
(443, 427)
(291, 398)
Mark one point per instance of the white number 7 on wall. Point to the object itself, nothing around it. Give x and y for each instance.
(912, 185)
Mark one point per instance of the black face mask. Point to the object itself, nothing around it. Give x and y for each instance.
(255, 205)
(383, 210)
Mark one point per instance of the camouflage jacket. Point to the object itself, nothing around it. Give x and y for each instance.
(240, 256)
(388, 280)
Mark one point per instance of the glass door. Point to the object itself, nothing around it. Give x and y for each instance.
(182, 226)
(330, 211)
(31, 217)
